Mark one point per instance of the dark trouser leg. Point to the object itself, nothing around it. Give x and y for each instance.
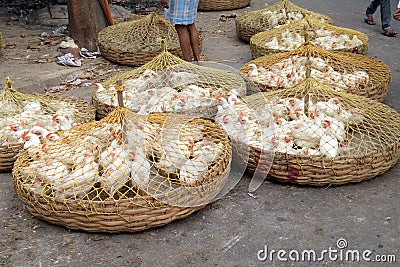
(194, 41)
(386, 14)
(371, 9)
(184, 41)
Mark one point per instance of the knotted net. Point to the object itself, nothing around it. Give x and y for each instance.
(290, 37)
(314, 135)
(126, 172)
(30, 120)
(219, 5)
(135, 42)
(169, 84)
(277, 15)
(347, 72)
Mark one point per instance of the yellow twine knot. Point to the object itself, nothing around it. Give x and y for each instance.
(163, 42)
(118, 86)
(9, 83)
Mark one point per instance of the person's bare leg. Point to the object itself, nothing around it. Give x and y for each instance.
(194, 41)
(184, 41)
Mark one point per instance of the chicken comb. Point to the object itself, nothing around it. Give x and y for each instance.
(24, 134)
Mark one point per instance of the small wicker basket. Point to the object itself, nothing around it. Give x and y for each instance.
(134, 43)
(219, 5)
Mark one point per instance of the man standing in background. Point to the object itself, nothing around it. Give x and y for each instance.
(183, 13)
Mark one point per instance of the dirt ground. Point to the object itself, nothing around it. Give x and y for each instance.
(233, 230)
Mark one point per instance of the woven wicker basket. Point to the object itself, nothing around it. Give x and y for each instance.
(219, 79)
(134, 43)
(313, 28)
(9, 151)
(219, 5)
(253, 22)
(369, 149)
(379, 73)
(130, 208)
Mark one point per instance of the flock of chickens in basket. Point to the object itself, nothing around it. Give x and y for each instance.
(33, 123)
(110, 157)
(290, 71)
(165, 91)
(281, 125)
(324, 38)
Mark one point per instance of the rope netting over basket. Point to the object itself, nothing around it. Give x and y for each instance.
(314, 135)
(347, 72)
(277, 15)
(289, 37)
(126, 172)
(135, 42)
(31, 120)
(170, 84)
(217, 5)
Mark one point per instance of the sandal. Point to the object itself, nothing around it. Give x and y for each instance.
(369, 20)
(389, 32)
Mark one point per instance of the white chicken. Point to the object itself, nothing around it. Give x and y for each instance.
(328, 146)
(307, 134)
(140, 168)
(273, 44)
(116, 174)
(335, 127)
(181, 78)
(40, 131)
(112, 151)
(193, 171)
(174, 153)
(31, 140)
(283, 144)
(33, 106)
(80, 180)
(253, 72)
(63, 121)
(15, 135)
(207, 150)
(281, 126)
(52, 171)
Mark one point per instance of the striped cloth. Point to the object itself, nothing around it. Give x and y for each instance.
(182, 12)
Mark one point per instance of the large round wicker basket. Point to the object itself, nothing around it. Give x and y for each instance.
(8, 152)
(129, 207)
(134, 43)
(253, 22)
(215, 79)
(328, 64)
(370, 147)
(290, 37)
(219, 5)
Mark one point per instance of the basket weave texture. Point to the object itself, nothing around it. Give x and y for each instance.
(313, 135)
(134, 43)
(253, 22)
(169, 84)
(219, 5)
(290, 37)
(23, 113)
(351, 73)
(126, 172)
